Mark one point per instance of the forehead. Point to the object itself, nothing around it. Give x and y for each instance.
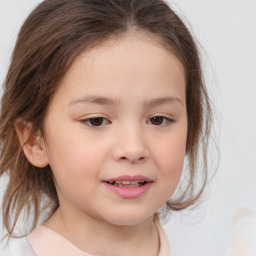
(130, 62)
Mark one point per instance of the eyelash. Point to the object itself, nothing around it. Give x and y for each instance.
(88, 120)
(167, 121)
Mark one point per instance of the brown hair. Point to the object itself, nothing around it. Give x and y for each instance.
(53, 35)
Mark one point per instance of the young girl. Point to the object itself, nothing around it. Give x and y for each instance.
(103, 101)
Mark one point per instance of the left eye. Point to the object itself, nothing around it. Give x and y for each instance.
(160, 120)
(95, 121)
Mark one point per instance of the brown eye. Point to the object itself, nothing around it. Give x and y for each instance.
(160, 120)
(157, 120)
(97, 121)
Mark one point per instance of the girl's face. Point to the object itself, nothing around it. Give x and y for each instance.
(116, 131)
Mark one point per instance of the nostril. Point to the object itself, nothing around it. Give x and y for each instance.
(132, 159)
(142, 158)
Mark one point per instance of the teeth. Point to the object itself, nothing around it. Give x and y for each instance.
(127, 183)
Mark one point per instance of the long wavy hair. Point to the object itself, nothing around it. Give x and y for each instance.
(53, 35)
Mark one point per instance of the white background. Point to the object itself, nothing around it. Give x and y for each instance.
(227, 31)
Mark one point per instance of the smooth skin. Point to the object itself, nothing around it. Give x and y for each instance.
(120, 110)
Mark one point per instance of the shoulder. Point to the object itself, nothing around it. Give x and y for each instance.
(17, 247)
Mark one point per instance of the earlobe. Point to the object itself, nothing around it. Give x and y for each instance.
(33, 145)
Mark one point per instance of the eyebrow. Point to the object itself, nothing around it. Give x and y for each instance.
(107, 101)
(95, 100)
(163, 100)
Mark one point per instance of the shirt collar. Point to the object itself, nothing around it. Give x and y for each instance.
(45, 241)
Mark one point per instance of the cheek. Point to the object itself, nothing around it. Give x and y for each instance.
(76, 173)
(170, 159)
(77, 160)
(171, 154)
(77, 167)
(171, 168)
(73, 148)
(72, 161)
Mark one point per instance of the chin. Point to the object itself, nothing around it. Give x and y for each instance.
(129, 218)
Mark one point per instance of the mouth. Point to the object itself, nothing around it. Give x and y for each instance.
(127, 183)
(129, 186)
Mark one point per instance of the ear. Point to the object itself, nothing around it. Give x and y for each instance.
(33, 145)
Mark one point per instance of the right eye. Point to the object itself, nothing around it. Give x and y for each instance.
(95, 121)
(160, 121)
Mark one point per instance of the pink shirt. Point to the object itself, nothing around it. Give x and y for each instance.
(46, 242)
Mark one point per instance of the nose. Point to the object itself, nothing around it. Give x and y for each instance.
(131, 146)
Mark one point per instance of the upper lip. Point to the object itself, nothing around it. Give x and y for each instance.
(130, 178)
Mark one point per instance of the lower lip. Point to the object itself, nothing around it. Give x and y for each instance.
(129, 193)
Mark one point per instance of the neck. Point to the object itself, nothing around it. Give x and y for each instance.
(98, 237)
